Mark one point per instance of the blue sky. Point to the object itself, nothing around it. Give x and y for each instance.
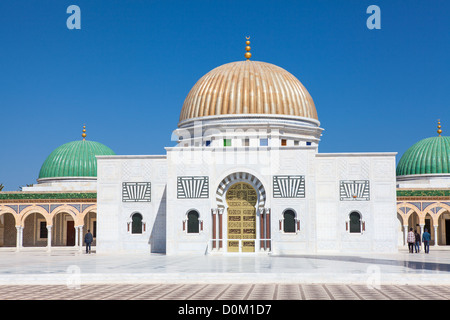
(127, 71)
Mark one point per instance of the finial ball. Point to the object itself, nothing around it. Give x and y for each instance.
(248, 55)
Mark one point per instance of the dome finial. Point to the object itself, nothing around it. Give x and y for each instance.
(248, 55)
(439, 128)
(84, 133)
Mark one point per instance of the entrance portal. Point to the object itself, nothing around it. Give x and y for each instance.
(241, 199)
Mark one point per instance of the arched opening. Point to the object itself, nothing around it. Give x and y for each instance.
(430, 227)
(289, 221)
(90, 223)
(35, 230)
(8, 231)
(444, 229)
(414, 222)
(193, 222)
(241, 199)
(63, 230)
(136, 223)
(355, 222)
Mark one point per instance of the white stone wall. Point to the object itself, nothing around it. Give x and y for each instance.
(294, 162)
(378, 213)
(321, 212)
(114, 215)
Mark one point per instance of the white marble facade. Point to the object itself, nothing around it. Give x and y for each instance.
(321, 189)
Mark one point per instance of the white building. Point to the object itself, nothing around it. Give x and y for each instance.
(246, 176)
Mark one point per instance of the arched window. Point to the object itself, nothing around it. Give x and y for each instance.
(355, 222)
(289, 221)
(192, 222)
(136, 223)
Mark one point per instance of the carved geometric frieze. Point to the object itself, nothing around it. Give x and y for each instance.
(289, 186)
(136, 192)
(354, 190)
(196, 187)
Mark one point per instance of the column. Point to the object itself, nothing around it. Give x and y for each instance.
(268, 234)
(405, 233)
(19, 237)
(220, 216)
(80, 234)
(214, 231)
(262, 229)
(77, 240)
(49, 238)
(422, 226)
(435, 236)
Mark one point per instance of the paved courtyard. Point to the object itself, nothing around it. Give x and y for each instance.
(69, 274)
(232, 292)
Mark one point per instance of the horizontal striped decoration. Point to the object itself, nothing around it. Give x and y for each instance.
(240, 177)
(289, 186)
(136, 192)
(193, 187)
(354, 190)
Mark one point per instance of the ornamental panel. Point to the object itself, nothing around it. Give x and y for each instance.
(289, 186)
(196, 187)
(136, 192)
(356, 190)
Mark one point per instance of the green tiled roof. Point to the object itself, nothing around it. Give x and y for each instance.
(428, 156)
(74, 159)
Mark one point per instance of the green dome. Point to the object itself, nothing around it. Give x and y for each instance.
(74, 159)
(428, 156)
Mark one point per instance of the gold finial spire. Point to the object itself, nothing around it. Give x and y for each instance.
(84, 133)
(439, 128)
(248, 55)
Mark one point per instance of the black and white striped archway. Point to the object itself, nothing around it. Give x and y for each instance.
(240, 177)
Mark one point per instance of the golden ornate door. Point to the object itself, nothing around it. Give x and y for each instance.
(241, 199)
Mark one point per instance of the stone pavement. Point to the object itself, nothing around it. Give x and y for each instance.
(37, 274)
(224, 292)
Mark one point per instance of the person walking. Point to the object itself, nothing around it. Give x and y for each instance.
(417, 244)
(411, 240)
(88, 238)
(426, 237)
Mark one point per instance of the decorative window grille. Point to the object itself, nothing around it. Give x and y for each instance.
(193, 187)
(356, 190)
(289, 186)
(136, 192)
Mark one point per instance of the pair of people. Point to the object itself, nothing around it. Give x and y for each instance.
(414, 241)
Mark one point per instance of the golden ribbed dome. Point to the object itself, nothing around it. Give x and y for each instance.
(248, 87)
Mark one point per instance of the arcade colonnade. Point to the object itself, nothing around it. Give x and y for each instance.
(46, 219)
(422, 213)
